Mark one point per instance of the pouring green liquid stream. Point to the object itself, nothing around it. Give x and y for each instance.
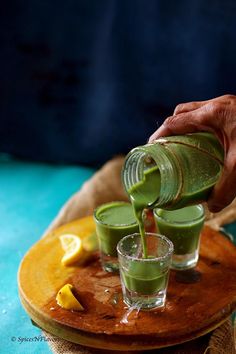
(142, 195)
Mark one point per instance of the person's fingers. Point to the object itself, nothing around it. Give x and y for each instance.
(194, 121)
(224, 191)
(216, 116)
(191, 106)
(188, 106)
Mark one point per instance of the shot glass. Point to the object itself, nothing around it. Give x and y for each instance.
(113, 221)
(144, 280)
(183, 227)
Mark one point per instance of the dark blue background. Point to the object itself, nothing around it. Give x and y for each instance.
(82, 80)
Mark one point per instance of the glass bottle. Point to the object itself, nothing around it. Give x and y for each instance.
(173, 172)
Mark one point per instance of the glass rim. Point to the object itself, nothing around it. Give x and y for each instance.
(198, 218)
(135, 223)
(150, 260)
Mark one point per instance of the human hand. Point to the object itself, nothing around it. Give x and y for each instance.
(218, 116)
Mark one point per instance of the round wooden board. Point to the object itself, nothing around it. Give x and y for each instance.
(197, 302)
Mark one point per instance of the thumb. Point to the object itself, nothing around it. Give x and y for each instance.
(184, 123)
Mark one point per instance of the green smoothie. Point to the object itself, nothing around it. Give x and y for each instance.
(181, 226)
(114, 221)
(145, 279)
(142, 195)
(146, 192)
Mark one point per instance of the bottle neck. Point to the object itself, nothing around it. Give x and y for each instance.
(137, 170)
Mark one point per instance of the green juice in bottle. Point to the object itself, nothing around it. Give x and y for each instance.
(172, 173)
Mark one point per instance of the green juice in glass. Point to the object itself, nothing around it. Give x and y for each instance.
(144, 280)
(113, 221)
(182, 227)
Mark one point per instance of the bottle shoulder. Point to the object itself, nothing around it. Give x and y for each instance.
(202, 141)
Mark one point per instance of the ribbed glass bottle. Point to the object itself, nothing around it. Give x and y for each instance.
(185, 170)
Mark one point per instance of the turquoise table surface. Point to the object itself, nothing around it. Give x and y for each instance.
(31, 195)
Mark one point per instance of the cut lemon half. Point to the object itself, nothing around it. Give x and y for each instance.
(67, 300)
(72, 245)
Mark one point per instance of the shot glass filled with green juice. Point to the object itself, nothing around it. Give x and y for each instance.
(113, 221)
(183, 227)
(144, 279)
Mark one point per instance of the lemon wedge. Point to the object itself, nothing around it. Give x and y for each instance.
(72, 245)
(66, 299)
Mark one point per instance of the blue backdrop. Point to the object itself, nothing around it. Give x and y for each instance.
(84, 80)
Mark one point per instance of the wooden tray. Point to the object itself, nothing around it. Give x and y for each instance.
(197, 302)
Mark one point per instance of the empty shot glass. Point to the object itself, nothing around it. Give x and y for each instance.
(183, 227)
(113, 221)
(144, 280)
